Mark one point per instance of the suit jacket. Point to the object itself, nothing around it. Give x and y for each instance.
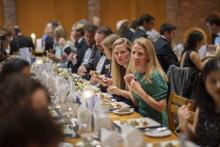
(106, 68)
(165, 54)
(139, 33)
(80, 51)
(49, 43)
(128, 34)
(20, 42)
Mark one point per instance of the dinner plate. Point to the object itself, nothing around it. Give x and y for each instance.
(172, 143)
(65, 144)
(158, 133)
(139, 123)
(123, 111)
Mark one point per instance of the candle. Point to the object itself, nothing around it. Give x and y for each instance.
(33, 37)
(87, 94)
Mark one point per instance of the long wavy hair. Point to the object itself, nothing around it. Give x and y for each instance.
(203, 99)
(118, 71)
(153, 63)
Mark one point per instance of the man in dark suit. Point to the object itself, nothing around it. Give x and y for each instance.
(146, 23)
(86, 48)
(99, 63)
(163, 47)
(131, 31)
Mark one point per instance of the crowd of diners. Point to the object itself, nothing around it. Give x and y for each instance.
(131, 64)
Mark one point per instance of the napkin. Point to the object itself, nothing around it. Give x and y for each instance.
(25, 54)
(84, 116)
(132, 137)
(110, 138)
(101, 118)
(92, 101)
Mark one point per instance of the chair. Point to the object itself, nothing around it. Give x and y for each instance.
(175, 102)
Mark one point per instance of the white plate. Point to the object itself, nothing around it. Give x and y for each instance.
(175, 143)
(116, 105)
(150, 122)
(65, 144)
(117, 111)
(156, 133)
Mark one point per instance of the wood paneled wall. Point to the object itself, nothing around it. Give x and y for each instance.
(114, 10)
(32, 15)
(1, 13)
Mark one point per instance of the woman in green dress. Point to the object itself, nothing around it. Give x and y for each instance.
(148, 83)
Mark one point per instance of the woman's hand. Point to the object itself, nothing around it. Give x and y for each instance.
(106, 81)
(183, 116)
(128, 78)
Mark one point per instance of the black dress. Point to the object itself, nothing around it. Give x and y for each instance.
(187, 61)
(208, 130)
(189, 89)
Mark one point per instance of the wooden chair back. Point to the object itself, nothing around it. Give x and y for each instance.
(175, 102)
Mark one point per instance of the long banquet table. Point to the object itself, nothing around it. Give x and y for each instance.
(115, 117)
(124, 118)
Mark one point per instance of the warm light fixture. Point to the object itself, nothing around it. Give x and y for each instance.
(33, 37)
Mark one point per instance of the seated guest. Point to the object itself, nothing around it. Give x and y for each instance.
(146, 22)
(60, 45)
(205, 129)
(86, 49)
(22, 91)
(77, 34)
(25, 127)
(15, 66)
(122, 27)
(39, 96)
(107, 45)
(213, 25)
(20, 41)
(96, 21)
(49, 35)
(121, 53)
(131, 30)
(148, 84)
(194, 40)
(99, 63)
(164, 51)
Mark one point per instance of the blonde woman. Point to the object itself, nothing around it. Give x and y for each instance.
(60, 41)
(121, 52)
(148, 85)
(107, 44)
(62, 48)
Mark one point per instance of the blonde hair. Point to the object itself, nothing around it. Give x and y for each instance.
(153, 63)
(61, 32)
(109, 40)
(116, 69)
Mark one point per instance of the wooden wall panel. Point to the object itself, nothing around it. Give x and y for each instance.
(1, 13)
(32, 15)
(157, 8)
(113, 10)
